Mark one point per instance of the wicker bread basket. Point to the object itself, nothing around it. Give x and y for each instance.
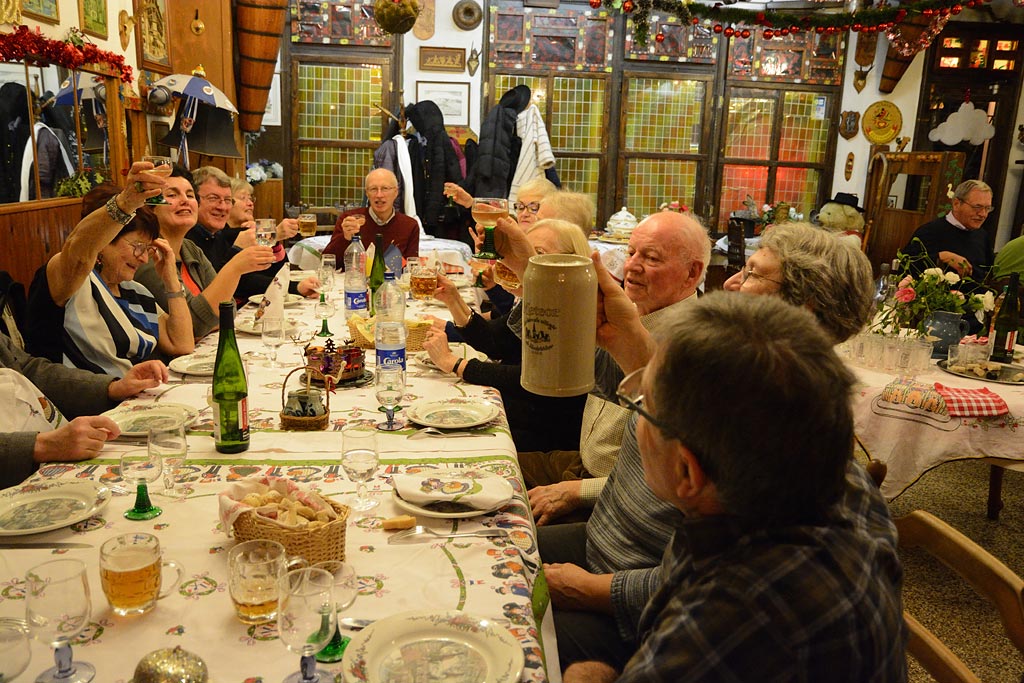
(293, 423)
(415, 333)
(315, 545)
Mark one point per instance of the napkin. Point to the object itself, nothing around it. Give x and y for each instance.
(972, 402)
(481, 492)
(273, 299)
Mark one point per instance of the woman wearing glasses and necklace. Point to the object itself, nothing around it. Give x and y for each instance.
(87, 312)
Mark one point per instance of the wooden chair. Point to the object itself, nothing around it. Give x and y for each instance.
(988, 576)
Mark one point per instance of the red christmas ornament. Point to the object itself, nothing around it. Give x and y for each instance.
(695, 21)
(596, 4)
(659, 37)
(729, 32)
(786, 31)
(760, 17)
(628, 6)
(717, 28)
(819, 29)
(768, 34)
(745, 33)
(856, 28)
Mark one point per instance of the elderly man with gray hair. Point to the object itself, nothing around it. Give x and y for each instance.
(956, 240)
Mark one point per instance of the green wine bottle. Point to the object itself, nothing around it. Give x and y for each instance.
(230, 391)
(377, 269)
(1006, 322)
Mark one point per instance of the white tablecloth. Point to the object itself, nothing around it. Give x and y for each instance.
(492, 578)
(911, 441)
(305, 254)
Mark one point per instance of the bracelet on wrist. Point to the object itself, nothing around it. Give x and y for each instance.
(180, 294)
(116, 213)
(458, 364)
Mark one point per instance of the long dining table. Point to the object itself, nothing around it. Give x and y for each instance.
(495, 578)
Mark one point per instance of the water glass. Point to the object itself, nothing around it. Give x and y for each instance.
(359, 459)
(307, 617)
(140, 468)
(266, 232)
(346, 588)
(273, 336)
(15, 649)
(57, 608)
(390, 386)
(161, 167)
(167, 441)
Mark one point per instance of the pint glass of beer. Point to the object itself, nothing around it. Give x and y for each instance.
(131, 572)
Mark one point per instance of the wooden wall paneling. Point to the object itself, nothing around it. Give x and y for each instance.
(33, 232)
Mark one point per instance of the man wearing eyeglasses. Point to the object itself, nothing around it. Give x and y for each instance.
(783, 563)
(956, 239)
(380, 216)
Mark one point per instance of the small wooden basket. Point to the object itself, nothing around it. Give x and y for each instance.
(315, 545)
(415, 335)
(292, 423)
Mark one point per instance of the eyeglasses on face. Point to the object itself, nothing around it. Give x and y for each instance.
(630, 396)
(382, 189)
(217, 199)
(748, 273)
(140, 248)
(532, 207)
(981, 208)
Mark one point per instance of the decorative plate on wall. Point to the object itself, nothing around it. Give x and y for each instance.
(882, 122)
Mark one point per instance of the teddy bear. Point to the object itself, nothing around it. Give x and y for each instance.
(843, 216)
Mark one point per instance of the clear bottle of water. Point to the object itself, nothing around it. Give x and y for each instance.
(355, 279)
(389, 334)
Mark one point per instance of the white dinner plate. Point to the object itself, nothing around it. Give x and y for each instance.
(289, 299)
(45, 506)
(461, 281)
(452, 413)
(194, 364)
(453, 645)
(248, 325)
(414, 509)
(134, 419)
(459, 349)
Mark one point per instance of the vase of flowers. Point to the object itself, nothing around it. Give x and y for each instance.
(932, 303)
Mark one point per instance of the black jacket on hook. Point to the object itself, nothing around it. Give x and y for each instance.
(498, 151)
(440, 165)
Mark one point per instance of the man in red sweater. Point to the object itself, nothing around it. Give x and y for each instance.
(380, 216)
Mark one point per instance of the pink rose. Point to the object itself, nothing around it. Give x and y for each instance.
(905, 295)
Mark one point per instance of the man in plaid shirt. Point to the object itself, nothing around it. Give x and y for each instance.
(783, 565)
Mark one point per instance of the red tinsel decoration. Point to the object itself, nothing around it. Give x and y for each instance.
(24, 44)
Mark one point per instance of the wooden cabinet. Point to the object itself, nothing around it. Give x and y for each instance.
(269, 199)
(32, 232)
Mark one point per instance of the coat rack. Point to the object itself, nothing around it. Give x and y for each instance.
(400, 119)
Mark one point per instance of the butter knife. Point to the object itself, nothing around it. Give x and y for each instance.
(37, 546)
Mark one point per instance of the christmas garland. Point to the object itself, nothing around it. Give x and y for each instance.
(723, 18)
(26, 45)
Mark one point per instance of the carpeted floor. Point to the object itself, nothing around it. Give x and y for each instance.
(957, 493)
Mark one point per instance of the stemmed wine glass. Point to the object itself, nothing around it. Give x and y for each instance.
(390, 382)
(324, 310)
(306, 617)
(346, 589)
(273, 337)
(326, 272)
(141, 467)
(15, 650)
(168, 443)
(57, 608)
(359, 459)
(486, 212)
(161, 167)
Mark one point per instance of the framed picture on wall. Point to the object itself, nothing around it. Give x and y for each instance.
(451, 98)
(152, 35)
(451, 59)
(43, 10)
(92, 17)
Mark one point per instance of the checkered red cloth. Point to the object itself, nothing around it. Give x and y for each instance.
(972, 402)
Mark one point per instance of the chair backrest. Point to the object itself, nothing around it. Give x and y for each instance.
(988, 576)
(12, 308)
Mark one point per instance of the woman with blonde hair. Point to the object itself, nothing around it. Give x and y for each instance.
(537, 422)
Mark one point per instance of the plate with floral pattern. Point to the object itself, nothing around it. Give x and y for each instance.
(135, 419)
(44, 506)
(451, 645)
(452, 413)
